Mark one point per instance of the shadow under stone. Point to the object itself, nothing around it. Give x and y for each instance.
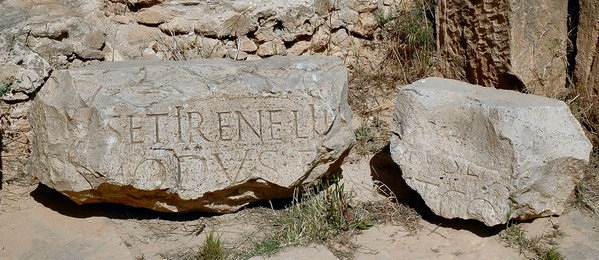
(60, 203)
(388, 175)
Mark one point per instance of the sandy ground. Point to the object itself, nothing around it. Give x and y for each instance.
(38, 223)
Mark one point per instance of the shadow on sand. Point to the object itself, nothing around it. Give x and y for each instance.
(60, 203)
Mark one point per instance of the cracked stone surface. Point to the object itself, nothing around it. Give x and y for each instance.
(210, 135)
(480, 153)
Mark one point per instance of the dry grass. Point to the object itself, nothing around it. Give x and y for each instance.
(323, 214)
(406, 38)
(587, 191)
(390, 211)
(406, 42)
(536, 247)
(319, 213)
(372, 135)
(185, 47)
(409, 40)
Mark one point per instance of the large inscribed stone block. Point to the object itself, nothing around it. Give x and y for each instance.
(210, 135)
(480, 153)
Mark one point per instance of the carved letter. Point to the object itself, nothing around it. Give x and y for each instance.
(240, 117)
(131, 131)
(117, 129)
(191, 170)
(273, 123)
(197, 127)
(314, 120)
(296, 125)
(222, 125)
(262, 161)
(156, 123)
(179, 135)
(226, 170)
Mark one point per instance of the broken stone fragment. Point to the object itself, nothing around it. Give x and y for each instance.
(94, 39)
(177, 25)
(238, 25)
(54, 30)
(22, 70)
(151, 17)
(138, 2)
(366, 26)
(492, 155)
(89, 54)
(136, 34)
(246, 44)
(264, 34)
(276, 47)
(210, 135)
(299, 48)
(237, 55)
(122, 19)
(362, 6)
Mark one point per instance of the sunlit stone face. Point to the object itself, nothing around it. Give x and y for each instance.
(198, 134)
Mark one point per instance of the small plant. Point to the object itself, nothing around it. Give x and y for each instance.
(7, 84)
(267, 247)
(318, 214)
(539, 247)
(372, 136)
(410, 39)
(406, 43)
(212, 249)
(363, 133)
(553, 254)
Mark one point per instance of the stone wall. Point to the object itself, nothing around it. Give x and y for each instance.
(586, 72)
(508, 44)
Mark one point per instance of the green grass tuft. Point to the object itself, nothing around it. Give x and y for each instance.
(212, 249)
(7, 84)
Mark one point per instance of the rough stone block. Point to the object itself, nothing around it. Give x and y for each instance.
(480, 153)
(211, 135)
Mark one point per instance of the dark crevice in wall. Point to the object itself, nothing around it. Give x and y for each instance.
(1, 149)
(430, 14)
(298, 39)
(573, 20)
(139, 6)
(511, 82)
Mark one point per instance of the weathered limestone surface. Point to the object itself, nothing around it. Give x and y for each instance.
(210, 135)
(480, 153)
(508, 44)
(37, 37)
(586, 73)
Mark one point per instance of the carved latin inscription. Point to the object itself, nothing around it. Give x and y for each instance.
(457, 183)
(228, 139)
